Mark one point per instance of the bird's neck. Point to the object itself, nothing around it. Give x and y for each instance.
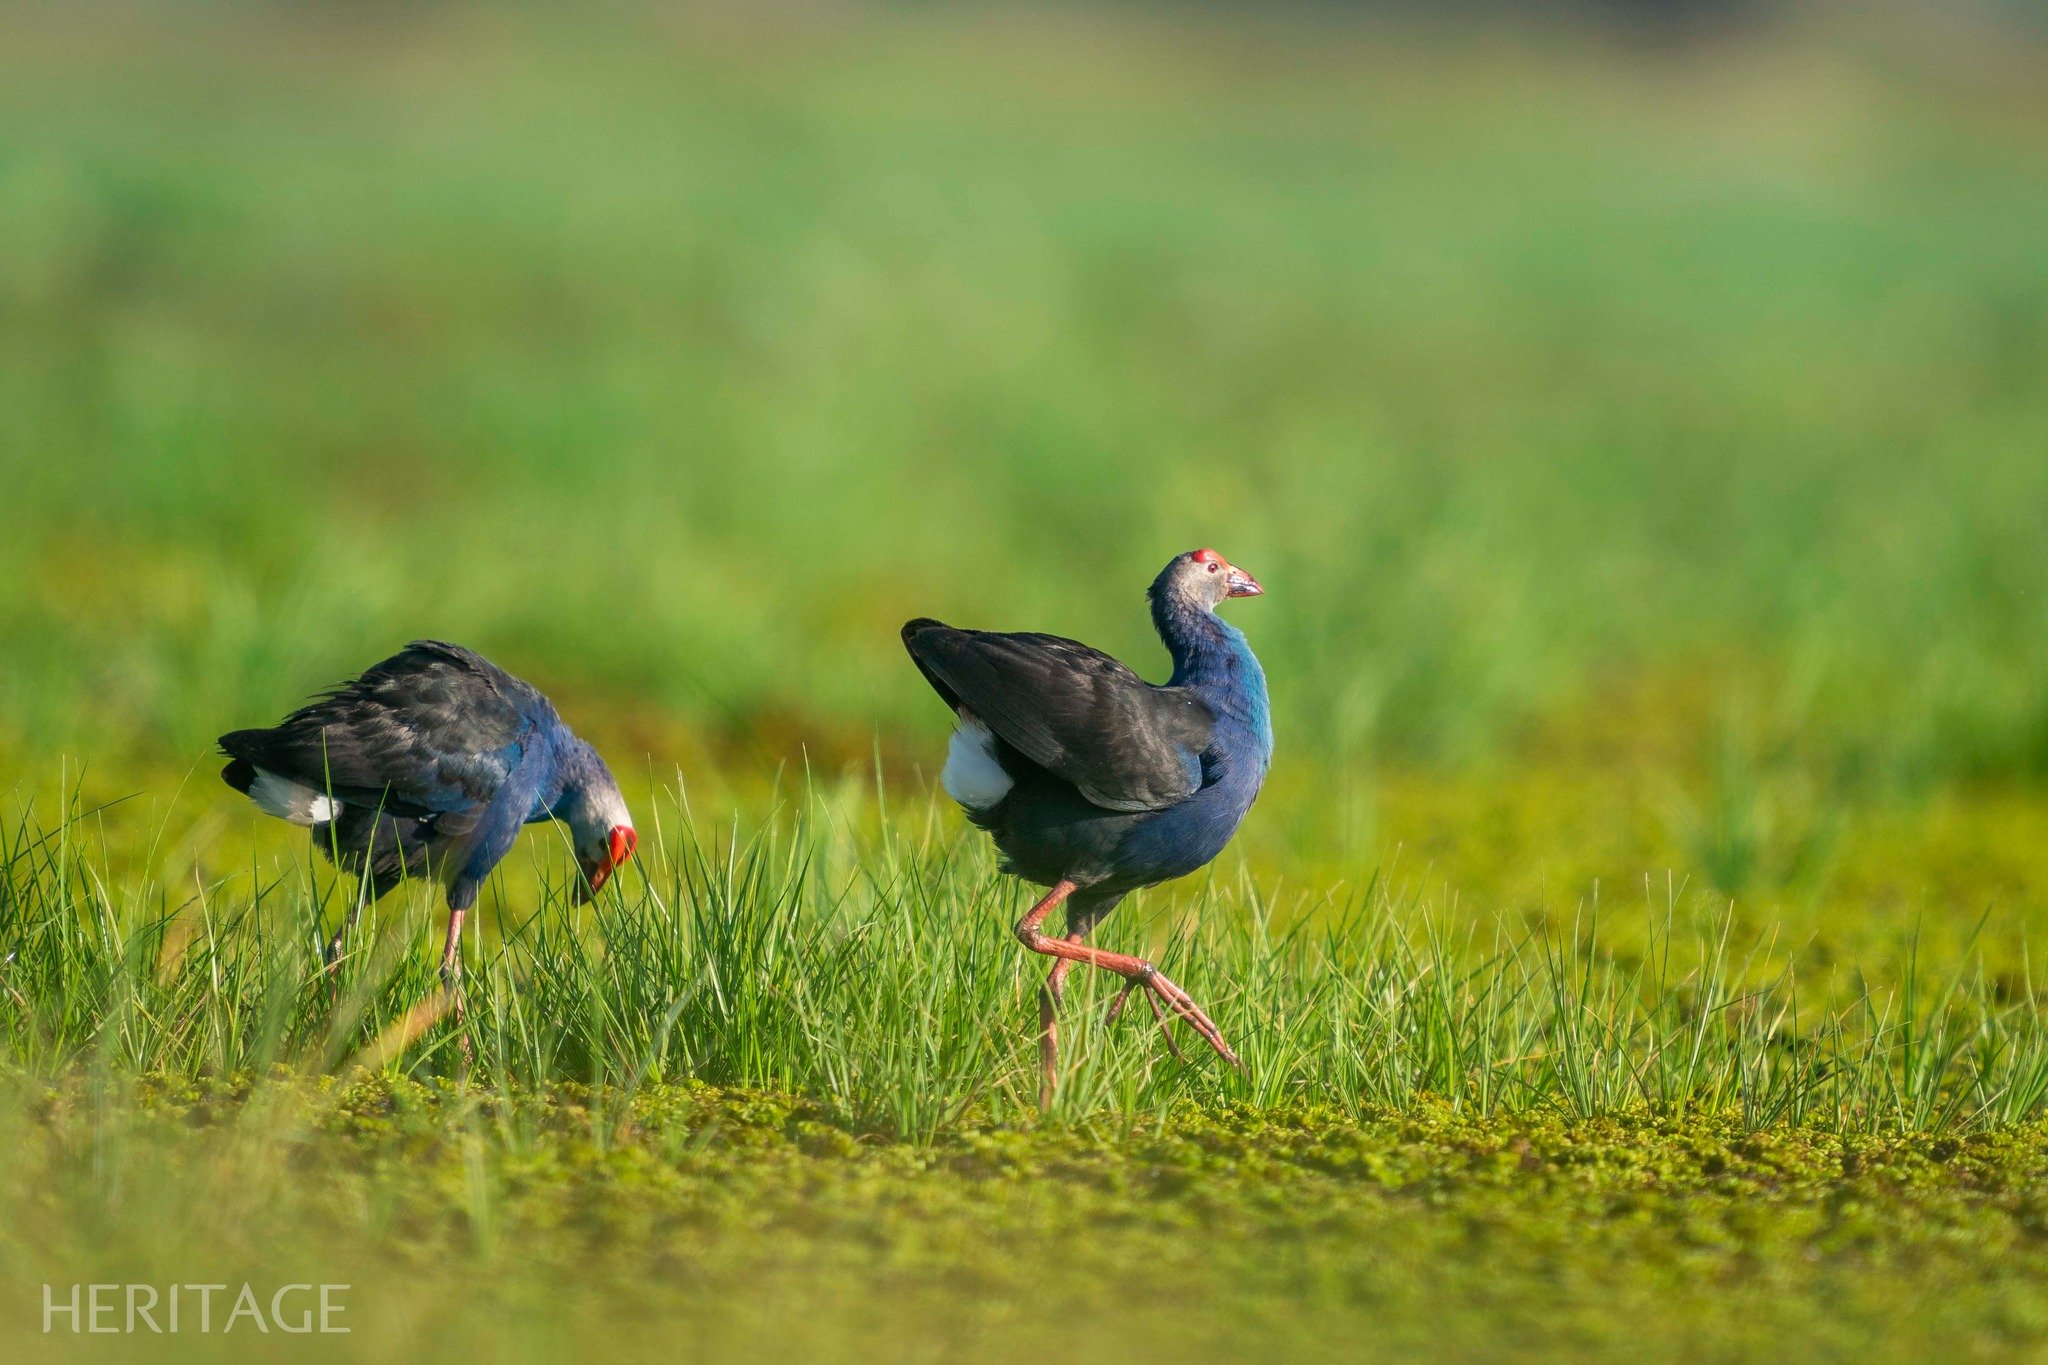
(587, 800)
(1204, 646)
(567, 795)
(1212, 658)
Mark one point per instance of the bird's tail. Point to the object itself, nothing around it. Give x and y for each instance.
(239, 774)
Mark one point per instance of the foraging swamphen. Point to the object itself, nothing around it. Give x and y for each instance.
(1094, 782)
(428, 764)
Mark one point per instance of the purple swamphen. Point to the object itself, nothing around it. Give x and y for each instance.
(1093, 781)
(428, 764)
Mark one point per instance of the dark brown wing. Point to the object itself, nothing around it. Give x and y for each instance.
(1074, 711)
(434, 728)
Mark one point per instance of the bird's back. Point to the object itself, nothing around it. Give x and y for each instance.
(434, 728)
(393, 766)
(1069, 709)
(1067, 726)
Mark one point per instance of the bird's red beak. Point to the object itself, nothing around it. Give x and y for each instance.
(618, 849)
(1242, 584)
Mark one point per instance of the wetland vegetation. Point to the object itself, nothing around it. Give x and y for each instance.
(1635, 951)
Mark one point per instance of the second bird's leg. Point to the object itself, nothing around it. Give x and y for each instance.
(451, 975)
(451, 980)
(451, 954)
(1135, 970)
(331, 957)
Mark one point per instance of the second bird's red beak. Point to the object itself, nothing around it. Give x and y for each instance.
(618, 849)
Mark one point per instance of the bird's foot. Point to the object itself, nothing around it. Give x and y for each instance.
(1116, 1009)
(1157, 990)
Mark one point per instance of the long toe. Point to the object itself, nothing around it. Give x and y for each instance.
(1183, 1005)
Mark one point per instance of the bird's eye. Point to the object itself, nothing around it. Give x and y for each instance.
(1215, 568)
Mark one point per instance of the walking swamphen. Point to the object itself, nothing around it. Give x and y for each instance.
(1094, 782)
(428, 764)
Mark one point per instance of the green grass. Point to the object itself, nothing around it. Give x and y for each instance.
(859, 959)
(1633, 952)
(775, 1093)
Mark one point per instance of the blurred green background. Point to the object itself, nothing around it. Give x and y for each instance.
(675, 357)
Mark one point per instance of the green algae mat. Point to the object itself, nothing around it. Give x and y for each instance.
(723, 1224)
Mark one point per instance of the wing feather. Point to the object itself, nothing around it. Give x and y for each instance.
(1073, 710)
(434, 728)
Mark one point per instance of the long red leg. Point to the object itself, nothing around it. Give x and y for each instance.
(1135, 970)
(451, 949)
(1049, 997)
(451, 975)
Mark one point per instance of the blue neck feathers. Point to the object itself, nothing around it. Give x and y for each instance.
(580, 775)
(1212, 658)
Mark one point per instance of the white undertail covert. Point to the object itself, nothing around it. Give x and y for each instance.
(293, 801)
(972, 776)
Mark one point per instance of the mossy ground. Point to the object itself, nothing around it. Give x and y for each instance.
(747, 1224)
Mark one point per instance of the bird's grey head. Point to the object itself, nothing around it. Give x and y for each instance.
(1203, 578)
(600, 826)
